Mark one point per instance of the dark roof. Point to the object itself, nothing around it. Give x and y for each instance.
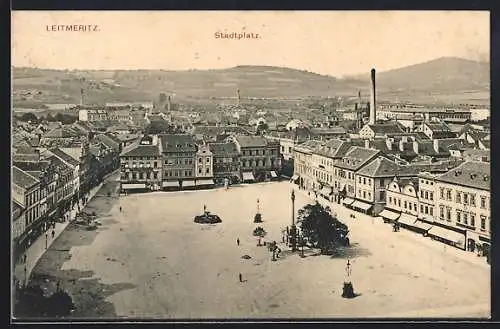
(356, 157)
(143, 150)
(22, 178)
(177, 143)
(486, 144)
(223, 148)
(64, 156)
(251, 141)
(58, 163)
(386, 128)
(471, 174)
(438, 126)
(107, 140)
(380, 167)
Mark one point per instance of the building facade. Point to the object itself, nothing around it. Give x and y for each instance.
(226, 162)
(178, 154)
(204, 172)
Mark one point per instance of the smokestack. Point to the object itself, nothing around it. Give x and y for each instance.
(81, 96)
(373, 104)
(169, 103)
(238, 95)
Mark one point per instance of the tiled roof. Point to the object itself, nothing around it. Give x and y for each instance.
(64, 156)
(251, 141)
(107, 140)
(437, 126)
(143, 150)
(471, 174)
(356, 157)
(380, 167)
(386, 128)
(177, 143)
(22, 178)
(223, 148)
(60, 164)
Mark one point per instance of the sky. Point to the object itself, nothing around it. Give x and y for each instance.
(327, 42)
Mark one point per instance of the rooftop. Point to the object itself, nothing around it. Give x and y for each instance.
(251, 141)
(386, 128)
(380, 167)
(64, 156)
(472, 174)
(142, 150)
(23, 179)
(177, 143)
(356, 157)
(226, 148)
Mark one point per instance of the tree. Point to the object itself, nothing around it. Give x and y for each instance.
(28, 116)
(262, 127)
(321, 229)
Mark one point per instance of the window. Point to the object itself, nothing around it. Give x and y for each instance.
(473, 200)
(426, 210)
(405, 205)
(364, 180)
(441, 191)
(199, 170)
(421, 208)
(458, 198)
(155, 175)
(421, 194)
(431, 211)
(483, 222)
(466, 198)
(200, 160)
(390, 199)
(466, 219)
(441, 212)
(370, 181)
(431, 196)
(448, 195)
(208, 160)
(472, 220)
(207, 171)
(426, 195)
(155, 164)
(483, 202)
(448, 213)
(399, 203)
(364, 194)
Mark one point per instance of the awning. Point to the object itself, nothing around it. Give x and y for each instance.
(422, 225)
(248, 176)
(201, 182)
(170, 184)
(326, 191)
(295, 177)
(347, 201)
(273, 174)
(361, 205)
(446, 234)
(132, 186)
(407, 219)
(188, 183)
(388, 214)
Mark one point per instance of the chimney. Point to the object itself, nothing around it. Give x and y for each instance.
(436, 145)
(388, 143)
(373, 104)
(81, 96)
(401, 146)
(415, 147)
(169, 103)
(238, 95)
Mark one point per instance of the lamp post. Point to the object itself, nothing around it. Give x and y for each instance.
(293, 230)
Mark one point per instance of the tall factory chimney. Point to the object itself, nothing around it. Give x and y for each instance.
(169, 103)
(373, 103)
(239, 97)
(81, 96)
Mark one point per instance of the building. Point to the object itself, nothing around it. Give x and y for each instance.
(463, 203)
(381, 130)
(92, 115)
(479, 114)
(26, 196)
(288, 139)
(226, 162)
(393, 111)
(436, 130)
(74, 164)
(204, 172)
(260, 158)
(344, 172)
(141, 166)
(178, 155)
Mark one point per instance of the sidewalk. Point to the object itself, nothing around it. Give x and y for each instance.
(38, 247)
(366, 221)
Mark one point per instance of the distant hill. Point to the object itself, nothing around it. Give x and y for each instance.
(441, 80)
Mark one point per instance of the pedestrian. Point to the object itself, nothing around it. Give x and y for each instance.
(238, 241)
(241, 278)
(53, 233)
(25, 258)
(120, 208)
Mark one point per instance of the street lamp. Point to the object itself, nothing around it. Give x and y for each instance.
(293, 230)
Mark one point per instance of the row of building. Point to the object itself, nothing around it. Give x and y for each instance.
(179, 161)
(447, 199)
(49, 181)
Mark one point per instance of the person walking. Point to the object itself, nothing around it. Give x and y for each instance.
(238, 241)
(120, 208)
(53, 233)
(240, 277)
